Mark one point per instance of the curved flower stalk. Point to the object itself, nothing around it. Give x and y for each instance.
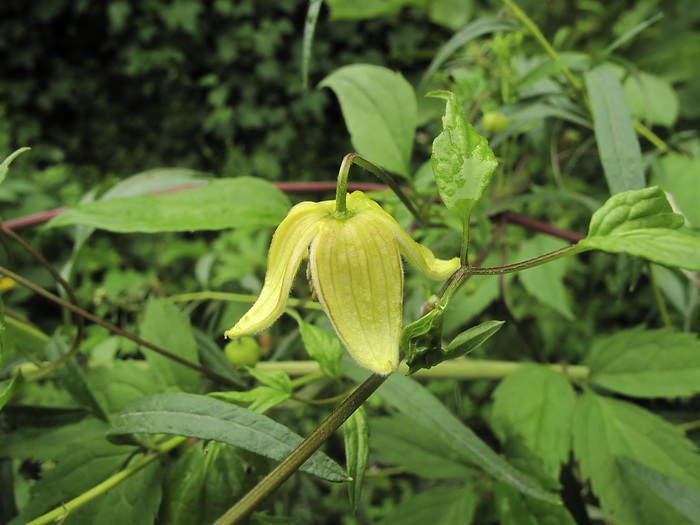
(355, 270)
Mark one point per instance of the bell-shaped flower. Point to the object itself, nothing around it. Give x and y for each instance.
(355, 271)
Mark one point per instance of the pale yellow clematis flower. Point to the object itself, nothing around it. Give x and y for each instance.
(355, 270)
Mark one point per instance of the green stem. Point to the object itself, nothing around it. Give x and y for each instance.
(524, 265)
(85, 497)
(532, 27)
(464, 250)
(342, 186)
(663, 311)
(246, 505)
(652, 137)
(237, 297)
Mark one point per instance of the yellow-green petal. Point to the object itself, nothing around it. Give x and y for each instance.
(288, 247)
(417, 255)
(356, 271)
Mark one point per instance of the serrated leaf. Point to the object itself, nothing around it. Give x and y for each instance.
(618, 146)
(514, 509)
(165, 325)
(546, 282)
(436, 505)
(461, 159)
(205, 481)
(379, 107)
(647, 363)
(678, 496)
(604, 429)
(536, 404)
(411, 398)
(403, 443)
(356, 440)
(642, 223)
(241, 202)
(206, 418)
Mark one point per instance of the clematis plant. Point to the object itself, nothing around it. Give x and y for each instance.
(354, 250)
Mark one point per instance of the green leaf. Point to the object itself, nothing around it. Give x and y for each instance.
(604, 429)
(680, 497)
(5, 166)
(134, 500)
(536, 403)
(618, 146)
(678, 175)
(203, 483)
(380, 111)
(471, 339)
(472, 31)
(206, 418)
(164, 325)
(462, 161)
(241, 202)
(436, 505)
(546, 282)
(514, 509)
(322, 347)
(309, 29)
(9, 387)
(409, 397)
(356, 438)
(359, 9)
(647, 363)
(403, 443)
(422, 339)
(262, 398)
(642, 223)
(652, 99)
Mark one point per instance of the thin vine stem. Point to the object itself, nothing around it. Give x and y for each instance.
(524, 265)
(270, 483)
(115, 329)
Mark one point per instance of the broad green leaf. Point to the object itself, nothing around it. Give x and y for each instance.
(680, 176)
(165, 325)
(379, 107)
(241, 202)
(356, 438)
(471, 31)
(403, 443)
(5, 165)
(652, 99)
(536, 403)
(206, 418)
(461, 159)
(322, 347)
(73, 379)
(677, 495)
(647, 363)
(135, 501)
(9, 387)
(436, 505)
(604, 429)
(409, 397)
(514, 509)
(618, 146)
(81, 465)
(546, 282)
(205, 481)
(642, 223)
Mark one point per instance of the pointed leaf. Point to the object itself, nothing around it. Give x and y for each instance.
(618, 146)
(206, 418)
(379, 107)
(462, 161)
(356, 439)
(5, 166)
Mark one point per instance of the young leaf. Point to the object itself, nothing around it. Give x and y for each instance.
(356, 438)
(677, 495)
(379, 107)
(164, 324)
(471, 339)
(423, 338)
(647, 363)
(436, 505)
(322, 347)
(5, 166)
(618, 146)
(241, 202)
(412, 399)
(604, 429)
(206, 418)
(536, 404)
(462, 161)
(642, 223)
(9, 387)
